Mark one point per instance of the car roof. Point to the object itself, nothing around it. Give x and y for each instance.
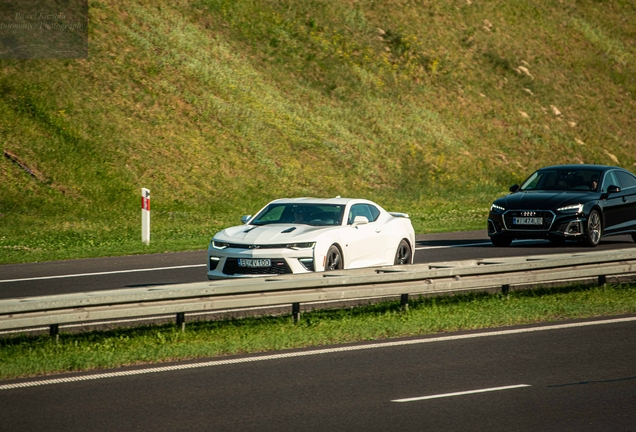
(311, 200)
(580, 167)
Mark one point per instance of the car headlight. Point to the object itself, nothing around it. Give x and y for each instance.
(496, 208)
(306, 245)
(576, 208)
(220, 245)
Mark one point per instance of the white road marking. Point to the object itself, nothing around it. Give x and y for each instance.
(453, 246)
(203, 265)
(488, 243)
(461, 393)
(103, 273)
(257, 358)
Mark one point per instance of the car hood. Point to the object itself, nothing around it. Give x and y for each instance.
(535, 200)
(271, 234)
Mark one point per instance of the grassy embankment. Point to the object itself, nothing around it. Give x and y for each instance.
(23, 356)
(217, 106)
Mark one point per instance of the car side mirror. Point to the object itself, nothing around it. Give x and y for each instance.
(612, 189)
(359, 220)
(245, 219)
(514, 188)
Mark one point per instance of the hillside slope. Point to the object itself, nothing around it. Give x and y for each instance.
(217, 106)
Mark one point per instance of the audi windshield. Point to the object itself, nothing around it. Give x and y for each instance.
(563, 180)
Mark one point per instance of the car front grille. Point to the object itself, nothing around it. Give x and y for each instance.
(279, 266)
(548, 218)
(251, 246)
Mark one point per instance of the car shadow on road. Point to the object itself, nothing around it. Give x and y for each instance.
(151, 285)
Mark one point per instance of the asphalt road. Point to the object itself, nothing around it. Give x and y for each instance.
(48, 278)
(561, 379)
(567, 379)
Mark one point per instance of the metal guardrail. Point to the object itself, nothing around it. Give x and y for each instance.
(418, 279)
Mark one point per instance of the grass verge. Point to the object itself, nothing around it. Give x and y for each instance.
(25, 356)
(218, 106)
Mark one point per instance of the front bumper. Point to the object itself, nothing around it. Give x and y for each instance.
(223, 264)
(565, 226)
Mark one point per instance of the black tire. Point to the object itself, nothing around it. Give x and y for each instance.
(593, 229)
(500, 241)
(403, 254)
(334, 259)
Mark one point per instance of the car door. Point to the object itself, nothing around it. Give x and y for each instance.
(614, 205)
(627, 217)
(366, 243)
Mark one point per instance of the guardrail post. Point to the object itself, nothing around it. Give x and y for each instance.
(404, 302)
(602, 280)
(181, 321)
(54, 331)
(505, 289)
(296, 312)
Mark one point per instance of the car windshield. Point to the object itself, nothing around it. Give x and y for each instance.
(307, 214)
(563, 180)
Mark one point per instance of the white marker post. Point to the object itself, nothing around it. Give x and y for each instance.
(145, 216)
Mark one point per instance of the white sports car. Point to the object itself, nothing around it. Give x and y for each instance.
(302, 235)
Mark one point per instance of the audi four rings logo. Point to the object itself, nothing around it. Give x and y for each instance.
(528, 213)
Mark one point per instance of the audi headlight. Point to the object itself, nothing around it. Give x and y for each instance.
(220, 245)
(496, 208)
(306, 245)
(576, 208)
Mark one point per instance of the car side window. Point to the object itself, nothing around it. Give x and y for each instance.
(366, 210)
(375, 213)
(626, 180)
(609, 180)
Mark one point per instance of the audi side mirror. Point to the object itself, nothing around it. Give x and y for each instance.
(612, 189)
(514, 188)
(245, 219)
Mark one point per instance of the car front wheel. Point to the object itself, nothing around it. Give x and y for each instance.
(334, 259)
(403, 253)
(594, 229)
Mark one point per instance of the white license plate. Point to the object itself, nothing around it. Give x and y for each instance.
(245, 262)
(527, 221)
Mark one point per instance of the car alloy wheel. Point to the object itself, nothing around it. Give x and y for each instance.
(334, 259)
(403, 253)
(594, 228)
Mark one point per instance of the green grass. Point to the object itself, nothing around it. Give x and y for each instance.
(22, 356)
(218, 106)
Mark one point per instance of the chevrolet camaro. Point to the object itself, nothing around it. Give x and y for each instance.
(566, 202)
(303, 235)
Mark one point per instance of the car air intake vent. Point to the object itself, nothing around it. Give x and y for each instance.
(279, 266)
(288, 230)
